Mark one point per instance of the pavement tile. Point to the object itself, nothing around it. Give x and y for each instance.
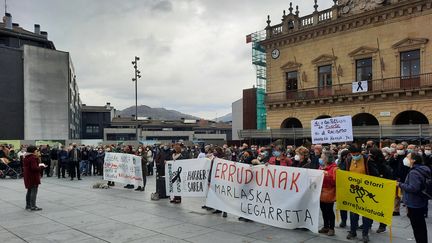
(218, 236)
(183, 231)
(60, 237)
(37, 229)
(159, 239)
(243, 228)
(156, 224)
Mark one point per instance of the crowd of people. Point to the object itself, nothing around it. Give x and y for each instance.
(408, 164)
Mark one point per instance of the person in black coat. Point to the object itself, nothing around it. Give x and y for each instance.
(74, 162)
(384, 170)
(399, 173)
(92, 161)
(63, 162)
(46, 159)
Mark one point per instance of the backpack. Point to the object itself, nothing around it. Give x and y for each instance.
(427, 191)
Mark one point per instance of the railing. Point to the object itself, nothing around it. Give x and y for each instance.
(306, 21)
(325, 15)
(374, 86)
(400, 132)
(277, 30)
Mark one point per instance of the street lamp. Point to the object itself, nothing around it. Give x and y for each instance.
(137, 76)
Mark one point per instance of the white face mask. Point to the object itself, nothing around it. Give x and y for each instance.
(139, 150)
(400, 152)
(385, 154)
(297, 157)
(428, 152)
(420, 153)
(406, 162)
(392, 150)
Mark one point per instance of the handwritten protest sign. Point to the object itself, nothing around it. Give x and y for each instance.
(280, 196)
(187, 178)
(332, 130)
(123, 168)
(372, 197)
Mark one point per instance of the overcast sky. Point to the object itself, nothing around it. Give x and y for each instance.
(194, 58)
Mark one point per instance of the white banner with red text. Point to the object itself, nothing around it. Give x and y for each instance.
(187, 178)
(123, 168)
(280, 196)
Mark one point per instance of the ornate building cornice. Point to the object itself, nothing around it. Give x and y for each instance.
(317, 25)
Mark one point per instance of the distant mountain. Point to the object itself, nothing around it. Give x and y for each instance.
(156, 113)
(226, 118)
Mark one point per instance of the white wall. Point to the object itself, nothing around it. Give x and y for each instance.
(45, 94)
(237, 118)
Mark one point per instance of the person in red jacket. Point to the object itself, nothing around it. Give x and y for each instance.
(328, 192)
(32, 176)
(279, 158)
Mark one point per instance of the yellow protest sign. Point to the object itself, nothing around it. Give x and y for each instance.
(369, 196)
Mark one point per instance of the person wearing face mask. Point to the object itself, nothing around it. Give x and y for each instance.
(247, 157)
(316, 156)
(279, 158)
(342, 163)
(301, 159)
(265, 155)
(412, 194)
(328, 192)
(399, 173)
(360, 164)
(427, 156)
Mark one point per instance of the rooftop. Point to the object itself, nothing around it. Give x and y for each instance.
(342, 16)
(10, 29)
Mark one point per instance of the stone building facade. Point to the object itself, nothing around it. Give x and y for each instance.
(316, 63)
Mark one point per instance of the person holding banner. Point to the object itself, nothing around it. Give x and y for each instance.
(144, 167)
(360, 164)
(328, 192)
(177, 155)
(342, 158)
(376, 156)
(413, 197)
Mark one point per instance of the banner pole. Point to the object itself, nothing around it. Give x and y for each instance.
(337, 216)
(391, 234)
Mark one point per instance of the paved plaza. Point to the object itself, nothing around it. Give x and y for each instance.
(75, 212)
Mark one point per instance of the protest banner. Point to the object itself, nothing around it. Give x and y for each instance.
(52, 143)
(123, 168)
(371, 197)
(16, 143)
(280, 196)
(332, 130)
(187, 178)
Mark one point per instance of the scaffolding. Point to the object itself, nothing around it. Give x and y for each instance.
(259, 61)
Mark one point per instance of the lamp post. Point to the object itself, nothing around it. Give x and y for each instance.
(135, 79)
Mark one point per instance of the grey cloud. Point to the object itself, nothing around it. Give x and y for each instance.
(162, 6)
(151, 45)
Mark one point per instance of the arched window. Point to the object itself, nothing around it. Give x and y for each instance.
(291, 123)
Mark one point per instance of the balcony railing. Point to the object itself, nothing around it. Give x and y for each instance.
(374, 87)
(401, 132)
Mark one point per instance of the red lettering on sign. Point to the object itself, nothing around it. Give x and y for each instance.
(294, 181)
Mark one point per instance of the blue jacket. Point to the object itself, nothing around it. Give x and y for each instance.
(413, 186)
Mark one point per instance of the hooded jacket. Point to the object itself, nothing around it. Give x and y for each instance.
(413, 186)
